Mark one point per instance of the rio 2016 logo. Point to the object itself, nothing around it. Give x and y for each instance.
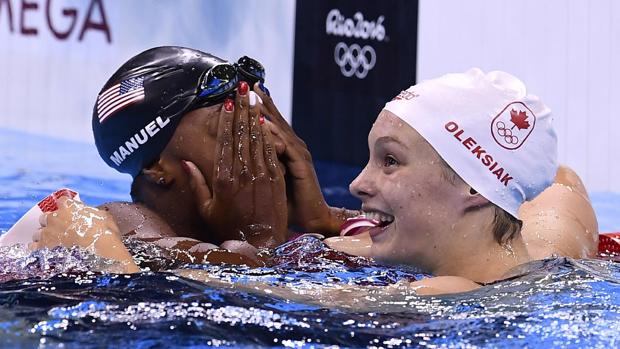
(354, 60)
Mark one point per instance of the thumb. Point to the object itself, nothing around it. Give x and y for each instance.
(33, 246)
(199, 186)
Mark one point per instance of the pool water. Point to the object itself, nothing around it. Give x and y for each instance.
(51, 299)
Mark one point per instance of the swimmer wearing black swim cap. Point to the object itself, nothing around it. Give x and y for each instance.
(141, 105)
(158, 119)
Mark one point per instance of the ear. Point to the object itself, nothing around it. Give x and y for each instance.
(474, 200)
(159, 173)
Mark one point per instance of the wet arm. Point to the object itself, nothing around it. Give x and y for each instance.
(138, 222)
(343, 296)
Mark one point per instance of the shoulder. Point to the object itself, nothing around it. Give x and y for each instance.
(443, 285)
(560, 220)
(137, 220)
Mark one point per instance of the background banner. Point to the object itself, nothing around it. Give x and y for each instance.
(351, 57)
(55, 55)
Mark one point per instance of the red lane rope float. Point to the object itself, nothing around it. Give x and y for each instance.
(609, 243)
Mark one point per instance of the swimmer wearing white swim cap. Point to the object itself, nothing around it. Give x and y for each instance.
(452, 161)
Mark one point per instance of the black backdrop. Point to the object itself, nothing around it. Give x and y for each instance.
(351, 57)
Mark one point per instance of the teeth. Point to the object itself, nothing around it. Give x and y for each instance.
(379, 217)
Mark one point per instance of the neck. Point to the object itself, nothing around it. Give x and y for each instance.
(476, 255)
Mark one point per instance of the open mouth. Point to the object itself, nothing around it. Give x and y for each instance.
(368, 221)
(382, 222)
(381, 219)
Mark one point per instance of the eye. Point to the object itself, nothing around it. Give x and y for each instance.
(389, 161)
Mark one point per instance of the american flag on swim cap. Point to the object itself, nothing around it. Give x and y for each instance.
(119, 96)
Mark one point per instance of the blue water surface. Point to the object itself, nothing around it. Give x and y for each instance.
(52, 299)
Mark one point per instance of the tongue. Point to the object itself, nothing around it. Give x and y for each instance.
(357, 225)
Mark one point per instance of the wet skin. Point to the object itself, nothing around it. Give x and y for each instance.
(558, 222)
(435, 225)
(172, 215)
(217, 180)
(402, 179)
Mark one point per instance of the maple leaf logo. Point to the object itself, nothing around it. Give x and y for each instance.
(519, 119)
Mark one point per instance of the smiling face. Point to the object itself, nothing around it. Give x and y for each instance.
(403, 185)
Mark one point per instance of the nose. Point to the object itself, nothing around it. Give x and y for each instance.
(363, 186)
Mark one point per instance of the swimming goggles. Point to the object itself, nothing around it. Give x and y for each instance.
(221, 80)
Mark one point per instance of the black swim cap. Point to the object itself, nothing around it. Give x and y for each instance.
(139, 108)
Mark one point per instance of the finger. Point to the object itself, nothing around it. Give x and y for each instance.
(43, 219)
(274, 136)
(285, 130)
(270, 157)
(241, 138)
(256, 143)
(224, 147)
(49, 237)
(287, 147)
(199, 186)
(37, 235)
(241, 247)
(271, 108)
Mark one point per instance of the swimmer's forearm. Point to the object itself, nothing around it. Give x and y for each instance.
(349, 297)
(115, 250)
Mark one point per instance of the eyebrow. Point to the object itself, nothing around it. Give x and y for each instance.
(389, 139)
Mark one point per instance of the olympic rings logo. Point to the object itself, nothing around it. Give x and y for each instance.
(354, 60)
(505, 132)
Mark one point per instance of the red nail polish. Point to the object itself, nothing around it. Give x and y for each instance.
(229, 105)
(261, 119)
(185, 166)
(243, 88)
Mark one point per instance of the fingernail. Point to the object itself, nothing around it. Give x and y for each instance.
(229, 105)
(261, 119)
(185, 166)
(243, 88)
(263, 88)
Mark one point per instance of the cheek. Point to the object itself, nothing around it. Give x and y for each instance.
(405, 192)
(421, 204)
(207, 159)
(201, 150)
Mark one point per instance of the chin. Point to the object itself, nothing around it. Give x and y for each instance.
(389, 254)
(398, 252)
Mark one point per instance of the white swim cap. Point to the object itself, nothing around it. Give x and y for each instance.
(498, 139)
